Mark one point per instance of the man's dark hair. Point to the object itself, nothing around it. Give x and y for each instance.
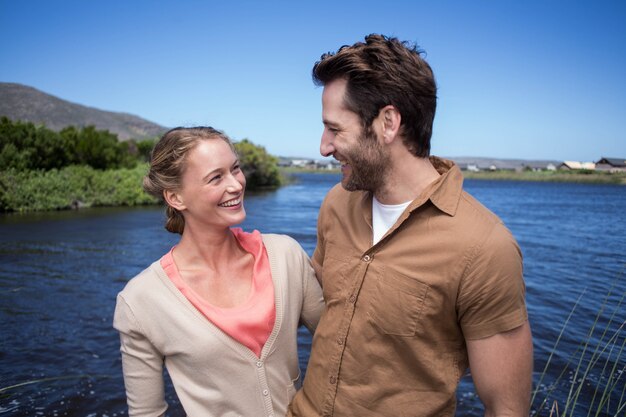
(385, 71)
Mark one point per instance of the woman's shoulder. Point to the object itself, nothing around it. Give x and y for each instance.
(275, 241)
(285, 252)
(146, 279)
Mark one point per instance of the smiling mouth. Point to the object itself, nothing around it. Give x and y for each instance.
(231, 203)
(341, 161)
(344, 164)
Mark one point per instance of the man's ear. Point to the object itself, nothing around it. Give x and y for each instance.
(390, 119)
(174, 199)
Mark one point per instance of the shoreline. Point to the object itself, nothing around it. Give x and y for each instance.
(581, 177)
(76, 187)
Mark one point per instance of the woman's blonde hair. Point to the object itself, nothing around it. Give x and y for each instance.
(168, 162)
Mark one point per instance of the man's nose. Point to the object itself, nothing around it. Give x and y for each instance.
(326, 144)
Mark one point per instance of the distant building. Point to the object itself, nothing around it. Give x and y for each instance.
(571, 165)
(327, 164)
(307, 163)
(301, 163)
(485, 165)
(284, 162)
(539, 166)
(611, 164)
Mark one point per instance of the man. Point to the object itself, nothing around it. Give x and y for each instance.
(420, 280)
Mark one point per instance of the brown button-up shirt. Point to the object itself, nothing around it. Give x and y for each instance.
(391, 341)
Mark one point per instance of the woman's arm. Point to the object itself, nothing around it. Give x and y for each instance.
(312, 298)
(142, 366)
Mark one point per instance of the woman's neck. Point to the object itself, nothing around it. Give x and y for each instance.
(210, 249)
(215, 266)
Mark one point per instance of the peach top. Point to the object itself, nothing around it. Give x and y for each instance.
(249, 323)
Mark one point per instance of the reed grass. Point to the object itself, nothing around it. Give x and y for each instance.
(597, 363)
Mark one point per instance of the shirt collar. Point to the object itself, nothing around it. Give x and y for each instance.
(445, 192)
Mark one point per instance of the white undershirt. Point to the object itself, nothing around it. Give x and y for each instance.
(384, 216)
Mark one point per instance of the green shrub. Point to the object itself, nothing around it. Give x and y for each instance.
(72, 187)
(259, 167)
(83, 167)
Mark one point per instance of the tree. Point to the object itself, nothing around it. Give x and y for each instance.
(259, 167)
(144, 148)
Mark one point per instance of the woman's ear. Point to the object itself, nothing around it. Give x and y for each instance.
(390, 119)
(174, 199)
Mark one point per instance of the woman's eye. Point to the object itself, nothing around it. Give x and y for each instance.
(236, 168)
(215, 178)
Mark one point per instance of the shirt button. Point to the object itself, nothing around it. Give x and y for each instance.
(333, 380)
(259, 364)
(265, 392)
(352, 298)
(339, 342)
(367, 258)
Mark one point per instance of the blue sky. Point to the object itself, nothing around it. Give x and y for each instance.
(524, 79)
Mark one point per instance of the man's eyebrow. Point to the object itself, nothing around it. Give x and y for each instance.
(330, 123)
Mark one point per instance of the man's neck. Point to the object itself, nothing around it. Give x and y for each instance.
(406, 179)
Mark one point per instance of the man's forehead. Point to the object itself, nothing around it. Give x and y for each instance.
(333, 99)
(335, 89)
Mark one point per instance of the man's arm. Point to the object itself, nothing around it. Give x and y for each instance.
(501, 367)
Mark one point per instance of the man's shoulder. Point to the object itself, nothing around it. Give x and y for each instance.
(484, 227)
(476, 226)
(471, 207)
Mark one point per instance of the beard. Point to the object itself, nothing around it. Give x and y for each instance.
(369, 163)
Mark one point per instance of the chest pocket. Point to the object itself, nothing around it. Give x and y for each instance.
(397, 303)
(334, 273)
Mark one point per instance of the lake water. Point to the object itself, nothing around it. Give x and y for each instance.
(60, 273)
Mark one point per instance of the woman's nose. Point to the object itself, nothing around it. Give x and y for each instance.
(234, 184)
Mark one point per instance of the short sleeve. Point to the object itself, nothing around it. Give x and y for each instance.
(492, 293)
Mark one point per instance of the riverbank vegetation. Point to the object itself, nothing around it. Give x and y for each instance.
(579, 176)
(41, 169)
(74, 187)
(576, 176)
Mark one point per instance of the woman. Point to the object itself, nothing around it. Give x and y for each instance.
(221, 309)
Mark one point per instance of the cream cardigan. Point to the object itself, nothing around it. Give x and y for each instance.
(213, 374)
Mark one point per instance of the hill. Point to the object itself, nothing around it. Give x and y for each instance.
(21, 102)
